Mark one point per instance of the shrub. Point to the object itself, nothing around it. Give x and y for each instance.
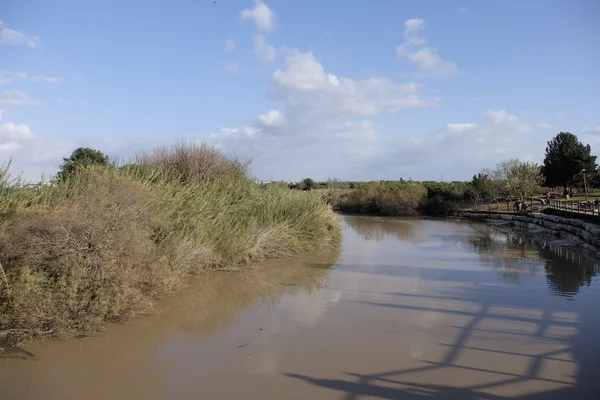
(307, 184)
(106, 243)
(447, 190)
(80, 158)
(387, 198)
(437, 205)
(194, 161)
(84, 259)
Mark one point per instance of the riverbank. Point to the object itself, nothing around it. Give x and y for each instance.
(106, 244)
(569, 231)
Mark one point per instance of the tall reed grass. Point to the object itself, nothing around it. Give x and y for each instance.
(108, 242)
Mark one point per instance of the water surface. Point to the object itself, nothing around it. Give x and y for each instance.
(408, 309)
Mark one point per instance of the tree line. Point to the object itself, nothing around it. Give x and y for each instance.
(568, 164)
(567, 161)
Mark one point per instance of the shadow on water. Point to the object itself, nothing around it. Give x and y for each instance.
(514, 254)
(16, 352)
(395, 384)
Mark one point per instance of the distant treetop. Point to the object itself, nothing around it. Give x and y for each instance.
(81, 157)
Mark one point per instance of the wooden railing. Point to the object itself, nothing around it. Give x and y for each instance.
(576, 207)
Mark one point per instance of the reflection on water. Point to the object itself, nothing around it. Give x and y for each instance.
(517, 253)
(214, 300)
(412, 309)
(380, 228)
(562, 279)
(132, 361)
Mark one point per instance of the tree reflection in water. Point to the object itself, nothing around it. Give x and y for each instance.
(380, 228)
(517, 253)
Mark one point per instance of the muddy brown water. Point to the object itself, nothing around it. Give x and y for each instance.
(407, 309)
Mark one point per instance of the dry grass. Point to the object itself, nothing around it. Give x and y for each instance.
(84, 260)
(107, 243)
(194, 161)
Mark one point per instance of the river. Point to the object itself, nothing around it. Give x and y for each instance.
(406, 309)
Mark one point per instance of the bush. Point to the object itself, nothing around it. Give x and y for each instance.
(438, 205)
(193, 161)
(83, 260)
(447, 190)
(106, 243)
(81, 158)
(386, 198)
(307, 184)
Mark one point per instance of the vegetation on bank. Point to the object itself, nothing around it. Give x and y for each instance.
(103, 243)
(391, 198)
(568, 168)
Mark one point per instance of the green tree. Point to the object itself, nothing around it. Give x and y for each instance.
(565, 159)
(516, 179)
(307, 184)
(596, 179)
(80, 158)
(527, 180)
(482, 187)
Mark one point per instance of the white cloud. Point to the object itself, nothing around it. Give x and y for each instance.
(305, 86)
(15, 98)
(7, 78)
(413, 25)
(38, 156)
(47, 79)
(462, 148)
(232, 67)
(430, 62)
(271, 118)
(543, 125)
(500, 116)
(426, 58)
(461, 9)
(12, 137)
(11, 131)
(322, 113)
(264, 51)
(593, 130)
(261, 15)
(355, 130)
(9, 147)
(12, 37)
(461, 127)
(230, 45)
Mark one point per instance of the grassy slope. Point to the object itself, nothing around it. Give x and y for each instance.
(106, 244)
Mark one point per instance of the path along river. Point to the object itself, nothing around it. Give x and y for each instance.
(406, 309)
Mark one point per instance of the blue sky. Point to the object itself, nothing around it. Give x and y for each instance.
(353, 90)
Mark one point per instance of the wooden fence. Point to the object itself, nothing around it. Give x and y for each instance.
(577, 208)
